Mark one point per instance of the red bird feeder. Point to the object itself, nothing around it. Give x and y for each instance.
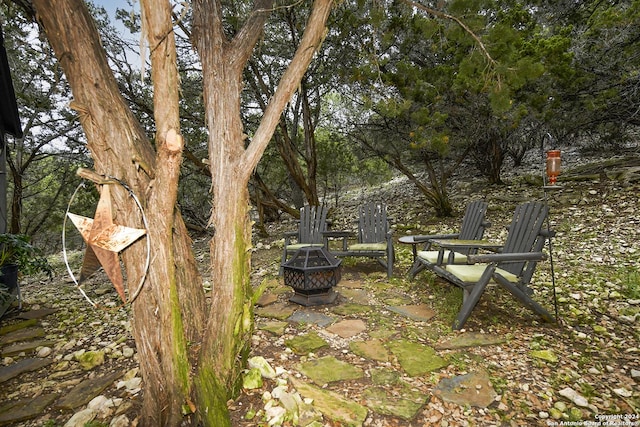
(553, 166)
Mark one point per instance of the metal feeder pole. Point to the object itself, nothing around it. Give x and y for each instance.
(546, 187)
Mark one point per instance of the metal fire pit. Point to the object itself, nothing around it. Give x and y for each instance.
(312, 272)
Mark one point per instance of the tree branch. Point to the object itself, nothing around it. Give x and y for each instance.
(311, 40)
(457, 20)
(245, 40)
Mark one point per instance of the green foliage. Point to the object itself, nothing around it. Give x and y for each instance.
(630, 279)
(16, 249)
(41, 165)
(5, 295)
(336, 161)
(446, 300)
(440, 86)
(373, 171)
(423, 92)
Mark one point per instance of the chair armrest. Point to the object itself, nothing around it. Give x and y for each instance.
(426, 237)
(456, 244)
(337, 233)
(516, 256)
(288, 235)
(462, 246)
(344, 235)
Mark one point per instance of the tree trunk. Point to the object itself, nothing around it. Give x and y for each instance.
(190, 355)
(286, 146)
(309, 121)
(121, 149)
(230, 324)
(16, 201)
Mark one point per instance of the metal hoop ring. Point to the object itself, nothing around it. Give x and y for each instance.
(146, 227)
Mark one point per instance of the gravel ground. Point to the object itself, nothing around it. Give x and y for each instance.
(593, 366)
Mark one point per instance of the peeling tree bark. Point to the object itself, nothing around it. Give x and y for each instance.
(191, 355)
(120, 148)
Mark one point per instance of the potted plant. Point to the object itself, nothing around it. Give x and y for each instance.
(17, 254)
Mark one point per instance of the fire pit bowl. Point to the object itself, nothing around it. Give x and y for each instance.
(312, 272)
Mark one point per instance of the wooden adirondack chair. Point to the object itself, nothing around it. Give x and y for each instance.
(312, 225)
(374, 237)
(511, 268)
(472, 228)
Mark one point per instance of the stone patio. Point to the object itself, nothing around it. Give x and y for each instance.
(344, 346)
(359, 342)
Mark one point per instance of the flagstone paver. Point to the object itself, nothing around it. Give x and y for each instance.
(394, 299)
(329, 369)
(279, 311)
(348, 328)
(370, 349)
(22, 366)
(419, 312)
(383, 333)
(312, 317)
(274, 327)
(350, 283)
(25, 409)
(473, 389)
(384, 376)
(405, 404)
(351, 308)
(389, 395)
(266, 299)
(415, 358)
(341, 410)
(305, 344)
(359, 296)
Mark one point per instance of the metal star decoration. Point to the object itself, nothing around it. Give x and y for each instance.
(104, 241)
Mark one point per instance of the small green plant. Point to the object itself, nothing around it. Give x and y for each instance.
(631, 285)
(446, 300)
(5, 295)
(16, 249)
(459, 360)
(587, 390)
(500, 384)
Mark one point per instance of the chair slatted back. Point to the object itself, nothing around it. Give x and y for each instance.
(525, 235)
(313, 221)
(473, 223)
(372, 223)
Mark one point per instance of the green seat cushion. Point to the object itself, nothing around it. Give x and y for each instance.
(367, 247)
(432, 257)
(472, 273)
(297, 246)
